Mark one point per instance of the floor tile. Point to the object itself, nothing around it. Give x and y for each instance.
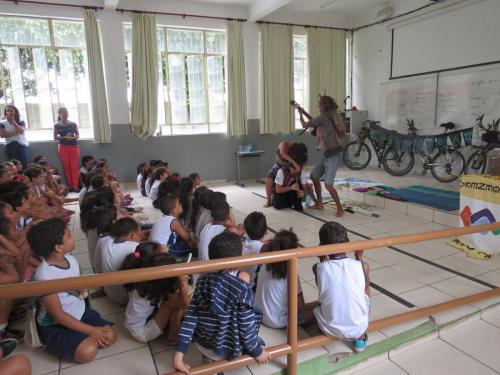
(438, 357)
(42, 362)
(459, 287)
(423, 272)
(492, 277)
(492, 317)
(425, 296)
(387, 368)
(305, 268)
(133, 362)
(310, 291)
(479, 340)
(394, 281)
(164, 359)
(386, 256)
(383, 306)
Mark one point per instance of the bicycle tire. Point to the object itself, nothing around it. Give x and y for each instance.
(452, 176)
(478, 156)
(395, 172)
(356, 148)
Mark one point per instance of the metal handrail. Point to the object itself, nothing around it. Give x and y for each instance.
(291, 348)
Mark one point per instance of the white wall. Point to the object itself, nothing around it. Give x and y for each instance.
(372, 47)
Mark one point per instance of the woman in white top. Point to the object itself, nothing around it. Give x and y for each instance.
(13, 129)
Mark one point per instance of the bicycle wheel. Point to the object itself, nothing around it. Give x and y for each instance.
(476, 164)
(357, 155)
(447, 167)
(398, 163)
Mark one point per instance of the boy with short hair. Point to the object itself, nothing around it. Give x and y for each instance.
(222, 318)
(65, 325)
(168, 230)
(344, 290)
(256, 229)
(195, 177)
(220, 216)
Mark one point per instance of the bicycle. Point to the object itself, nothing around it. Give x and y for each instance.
(357, 154)
(476, 164)
(448, 163)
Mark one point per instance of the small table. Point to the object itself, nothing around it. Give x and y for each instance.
(244, 155)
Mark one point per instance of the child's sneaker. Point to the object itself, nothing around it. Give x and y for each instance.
(360, 344)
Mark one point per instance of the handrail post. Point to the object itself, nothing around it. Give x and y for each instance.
(292, 274)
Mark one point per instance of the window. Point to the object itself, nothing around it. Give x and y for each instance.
(192, 93)
(43, 66)
(299, 74)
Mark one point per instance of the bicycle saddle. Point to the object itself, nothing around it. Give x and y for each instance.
(448, 125)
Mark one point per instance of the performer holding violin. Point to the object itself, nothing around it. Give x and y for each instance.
(328, 128)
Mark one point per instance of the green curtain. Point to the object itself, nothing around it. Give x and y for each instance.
(276, 54)
(237, 102)
(100, 119)
(144, 106)
(326, 55)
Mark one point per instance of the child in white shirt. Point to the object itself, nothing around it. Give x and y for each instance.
(125, 237)
(344, 290)
(220, 217)
(272, 285)
(168, 231)
(159, 175)
(65, 325)
(155, 305)
(256, 229)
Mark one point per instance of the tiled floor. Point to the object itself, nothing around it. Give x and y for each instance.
(417, 282)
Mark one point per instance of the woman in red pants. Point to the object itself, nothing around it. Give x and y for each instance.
(66, 132)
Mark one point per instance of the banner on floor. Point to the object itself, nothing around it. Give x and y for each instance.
(480, 204)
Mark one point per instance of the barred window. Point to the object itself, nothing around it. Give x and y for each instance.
(192, 93)
(43, 66)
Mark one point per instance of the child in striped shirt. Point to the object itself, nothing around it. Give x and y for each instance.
(221, 299)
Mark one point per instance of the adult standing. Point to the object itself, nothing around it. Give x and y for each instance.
(66, 132)
(13, 129)
(329, 128)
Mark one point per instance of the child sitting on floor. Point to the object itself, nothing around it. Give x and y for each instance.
(344, 291)
(290, 183)
(141, 178)
(256, 229)
(220, 217)
(159, 175)
(222, 318)
(272, 286)
(168, 231)
(65, 325)
(155, 305)
(195, 177)
(126, 235)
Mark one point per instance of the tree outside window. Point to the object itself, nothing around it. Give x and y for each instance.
(192, 93)
(43, 66)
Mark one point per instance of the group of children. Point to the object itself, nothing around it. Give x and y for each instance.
(223, 314)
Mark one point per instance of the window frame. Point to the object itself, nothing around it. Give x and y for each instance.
(164, 54)
(304, 88)
(47, 132)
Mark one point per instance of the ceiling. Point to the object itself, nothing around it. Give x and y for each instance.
(347, 8)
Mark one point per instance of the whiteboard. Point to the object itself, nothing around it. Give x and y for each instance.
(413, 98)
(464, 96)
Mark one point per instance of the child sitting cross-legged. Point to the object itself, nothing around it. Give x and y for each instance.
(65, 325)
(168, 231)
(272, 286)
(256, 229)
(344, 291)
(125, 234)
(157, 305)
(222, 318)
